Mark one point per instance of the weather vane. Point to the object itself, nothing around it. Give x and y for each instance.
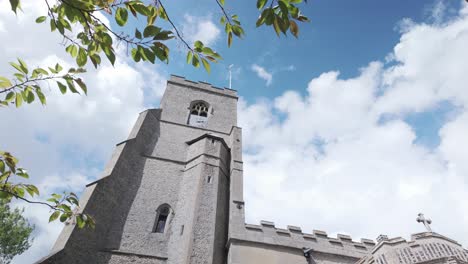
(426, 222)
(230, 74)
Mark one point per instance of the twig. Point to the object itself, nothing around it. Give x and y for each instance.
(32, 80)
(33, 202)
(175, 28)
(224, 12)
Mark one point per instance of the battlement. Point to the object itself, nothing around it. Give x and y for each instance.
(180, 80)
(415, 239)
(318, 240)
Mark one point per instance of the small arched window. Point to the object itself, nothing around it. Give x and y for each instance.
(198, 114)
(162, 215)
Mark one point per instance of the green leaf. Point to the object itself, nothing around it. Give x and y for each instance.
(53, 26)
(229, 39)
(42, 71)
(198, 44)
(18, 100)
(16, 66)
(109, 54)
(294, 28)
(14, 5)
(283, 6)
(269, 16)
(151, 31)
(138, 34)
(9, 97)
(23, 66)
(136, 55)
(238, 31)
(62, 87)
(121, 16)
(81, 59)
(80, 222)
(195, 61)
(41, 96)
(71, 85)
(41, 19)
(54, 216)
(4, 195)
(151, 18)
(206, 65)
(95, 59)
(58, 67)
(19, 191)
(4, 82)
(73, 50)
(276, 26)
(222, 20)
(82, 85)
(141, 8)
(221, 2)
(30, 97)
(303, 18)
(149, 55)
(2, 166)
(64, 217)
(261, 3)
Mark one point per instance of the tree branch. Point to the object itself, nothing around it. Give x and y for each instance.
(175, 28)
(32, 202)
(32, 80)
(224, 12)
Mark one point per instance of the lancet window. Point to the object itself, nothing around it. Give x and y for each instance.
(162, 216)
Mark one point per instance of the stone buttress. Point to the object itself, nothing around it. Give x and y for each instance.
(170, 191)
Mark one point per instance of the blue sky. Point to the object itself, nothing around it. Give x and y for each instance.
(342, 35)
(364, 117)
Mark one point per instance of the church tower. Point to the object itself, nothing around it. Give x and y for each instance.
(171, 190)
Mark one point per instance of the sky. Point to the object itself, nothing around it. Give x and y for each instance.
(353, 128)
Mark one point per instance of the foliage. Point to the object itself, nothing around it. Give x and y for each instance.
(65, 207)
(88, 39)
(14, 232)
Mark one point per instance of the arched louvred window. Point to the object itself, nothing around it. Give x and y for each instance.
(198, 114)
(162, 217)
(199, 109)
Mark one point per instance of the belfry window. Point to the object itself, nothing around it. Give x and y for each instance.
(199, 109)
(161, 219)
(198, 114)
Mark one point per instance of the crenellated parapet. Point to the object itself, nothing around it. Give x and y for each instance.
(180, 80)
(293, 237)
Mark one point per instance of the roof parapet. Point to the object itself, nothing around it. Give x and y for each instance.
(202, 85)
(267, 231)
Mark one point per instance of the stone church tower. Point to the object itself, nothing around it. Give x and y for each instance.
(172, 193)
(165, 195)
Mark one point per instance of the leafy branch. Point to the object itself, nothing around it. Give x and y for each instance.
(26, 86)
(65, 206)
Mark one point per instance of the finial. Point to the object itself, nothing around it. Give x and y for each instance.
(230, 75)
(426, 222)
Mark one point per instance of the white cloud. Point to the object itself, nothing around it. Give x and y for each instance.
(200, 28)
(262, 73)
(330, 159)
(329, 150)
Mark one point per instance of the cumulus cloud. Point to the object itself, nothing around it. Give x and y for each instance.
(65, 144)
(342, 156)
(262, 73)
(200, 28)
